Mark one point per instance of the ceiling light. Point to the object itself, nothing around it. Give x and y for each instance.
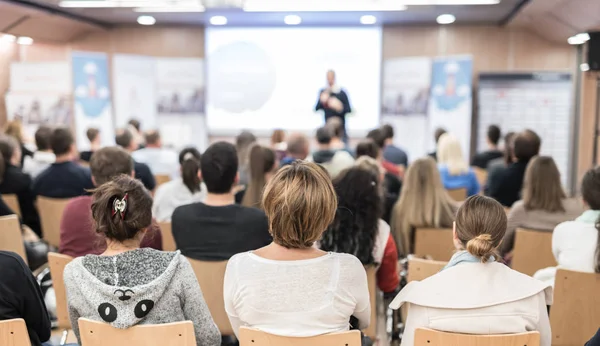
(583, 36)
(574, 40)
(8, 38)
(24, 40)
(446, 19)
(146, 20)
(368, 19)
(584, 67)
(292, 19)
(218, 20)
(449, 2)
(172, 9)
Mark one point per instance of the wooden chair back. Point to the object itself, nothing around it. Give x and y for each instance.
(12, 201)
(575, 313)
(11, 238)
(168, 242)
(51, 211)
(481, 175)
(458, 195)
(161, 179)
(210, 276)
(57, 263)
(14, 333)
(371, 330)
(436, 243)
(93, 333)
(429, 337)
(254, 337)
(420, 269)
(532, 251)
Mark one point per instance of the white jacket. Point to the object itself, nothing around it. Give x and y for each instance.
(171, 195)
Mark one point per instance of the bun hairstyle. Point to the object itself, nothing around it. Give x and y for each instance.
(121, 208)
(480, 226)
(262, 161)
(189, 159)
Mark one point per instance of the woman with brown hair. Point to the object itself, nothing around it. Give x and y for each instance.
(544, 203)
(290, 287)
(474, 294)
(263, 163)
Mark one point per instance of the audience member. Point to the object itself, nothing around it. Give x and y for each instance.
(263, 164)
(298, 148)
(180, 191)
(337, 134)
(160, 160)
(125, 140)
(64, 178)
(367, 147)
(474, 294)
(78, 236)
(423, 203)
(216, 229)
(576, 244)
(482, 159)
(389, 198)
(93, 135)
(544, 204)
(135, 127)
(14, 129)
(392, 183)
(454, 169)
(378, 137)
(43, 157)
(358, 228)
(333, 160)
(506, 186)
(437, 134)
(497, 166)
(126, 286)
(14, 181)
(392, 153)
(243, 143)
(22, 298)
(290, 287)
(278, 140)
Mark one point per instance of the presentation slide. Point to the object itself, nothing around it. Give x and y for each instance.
(264, 78)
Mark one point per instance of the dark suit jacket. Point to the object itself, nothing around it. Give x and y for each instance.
(505, 187)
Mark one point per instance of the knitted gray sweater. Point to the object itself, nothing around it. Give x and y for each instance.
(142, 286)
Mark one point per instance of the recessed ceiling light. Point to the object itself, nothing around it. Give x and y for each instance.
(218, 20)
(146, 20)
(8, 38)
(576, 39)
(446, 19)
(368, 19)
(24, 40)
(584, 67)
(292, 19)
(583, 36)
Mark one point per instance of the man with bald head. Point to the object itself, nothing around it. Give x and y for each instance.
(334, 101)
(298, 148)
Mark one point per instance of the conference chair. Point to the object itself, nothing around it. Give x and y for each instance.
(429, 337)
(434, 243)
(371, 330)
(532, 251)
(168, 242)
(254, 337)
(458, 195)
(94, 333)
(14, 333)
(51, 211)
(57, 263)
(11, 238)
(575, 312)
(210, 276)
(481, 175)
(420, 269)
(12, 201)
(161, 179)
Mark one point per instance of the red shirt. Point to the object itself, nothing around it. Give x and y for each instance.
(78, 236)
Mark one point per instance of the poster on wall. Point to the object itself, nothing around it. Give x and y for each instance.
(451, 100)
(134, 90)
(405, 97)
(92, 99)
(180, 102)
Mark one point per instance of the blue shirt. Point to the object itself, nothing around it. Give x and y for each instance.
(466, 180)
(63, 180)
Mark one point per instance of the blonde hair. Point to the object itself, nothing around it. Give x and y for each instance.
(449, 153)
(542, 189)
(300, 203)
(423, 203)
(14, 129)
(480, 226)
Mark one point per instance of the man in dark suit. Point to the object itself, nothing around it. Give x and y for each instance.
(334, 101)
(482, 159)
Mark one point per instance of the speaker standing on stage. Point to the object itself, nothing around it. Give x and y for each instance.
(334, 101)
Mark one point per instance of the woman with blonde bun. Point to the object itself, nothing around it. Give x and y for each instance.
(474, 294)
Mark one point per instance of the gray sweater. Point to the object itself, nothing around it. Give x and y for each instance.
(142, 286)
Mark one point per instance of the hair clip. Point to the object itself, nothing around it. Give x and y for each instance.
(120, 206)
(188, 156)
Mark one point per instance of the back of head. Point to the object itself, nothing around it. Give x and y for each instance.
(61, 141)
(526, 145)
(135, 124)
(92, 133)
(378, 137)
(370, 164)
(336, 126)
(324, 135)
(123, 138)
(121, 208)
(219, 166)
(8, 145)
(388, 131)
(367, 148)
(110, 162)
(542, 189)
(262, 161)
(449, 153)
(189, 159)
(493, 134)
(298, 145)
(590, 189)
(480, 226)
(14, 128)
(438, 133)
(300, 203)
(43, 136)
(152, 138)
(278, 136)
(243, 143)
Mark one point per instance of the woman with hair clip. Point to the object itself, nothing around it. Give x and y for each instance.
(474, 294)
(127, 286)
(544, 203)
(185, 190)
(263, 163)
(358, 228)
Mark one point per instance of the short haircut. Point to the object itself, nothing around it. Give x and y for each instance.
(367, 148)
(110, 162)
(388, 131)
(590, 188)
(8, 145)
(337, 126)
(297, 144)
(324, 135)
(438, 133)
(494, 134)
(378, 137)
(92, 133)
(123, 138)
(152, 137)
(219, 166)
(43, 136)
(526, 145)
(135, 123)
(61, 141)
(300, 203)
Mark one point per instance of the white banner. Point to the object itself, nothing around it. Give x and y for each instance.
(35, 109)
(31, 77)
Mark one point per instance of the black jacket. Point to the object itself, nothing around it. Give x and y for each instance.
(505, 187)
(482, 159)
(19, 183)
(343, 97)
(143, 173)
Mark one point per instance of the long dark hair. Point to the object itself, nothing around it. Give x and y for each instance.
(189, 159)
(356, 222)
(590, 189)
(262, 161)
